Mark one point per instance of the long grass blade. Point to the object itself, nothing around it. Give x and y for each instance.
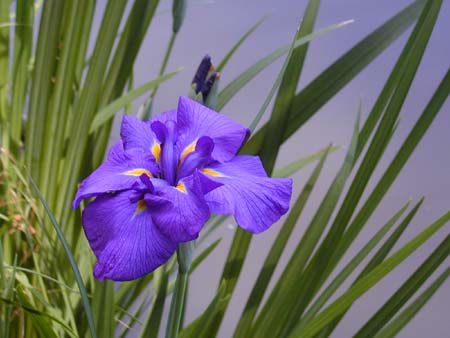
(365, 283)
(151, 325)
(238, 44)
(106, 113)
(103, 308)
(317, 269)
(204, 254)
(406, 291)
(272, 259)
(133, 34)
(288, 86)
(4, 70)
(44, 69)
(405, 151)
(400, 321)
(133, 318)
(355, 263)
(285, 295)
(378, 258)
(239, 82)
(341, 72)
(87, 105)
(73, 263)
(22, 53)
(275, 87)
(200, 327)
(62, 92)
(292, 168)
(65, 113)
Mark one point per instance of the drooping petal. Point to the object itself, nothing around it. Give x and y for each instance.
(123, 237)
(179, 212)
(195, 120)
(208, 184)
(138, 134)
(119, 172)
(255, 200)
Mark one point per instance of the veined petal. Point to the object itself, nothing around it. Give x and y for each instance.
(197, 158)
(120, 171)
(255, 200)
(167, 135)
(123, 237)
(138, 134)
(184, 212)
(195, 120)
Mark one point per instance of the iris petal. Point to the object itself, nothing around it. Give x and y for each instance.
(167, 135)
(199, 157)
(123, 237)
(184, 212)
(195, 120)
(138, 134)
(255, 200)
(120, 171)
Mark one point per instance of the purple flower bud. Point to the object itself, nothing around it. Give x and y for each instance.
(202, 72)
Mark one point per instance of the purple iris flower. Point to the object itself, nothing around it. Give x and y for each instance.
(161, 182)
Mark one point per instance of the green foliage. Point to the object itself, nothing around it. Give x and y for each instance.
(57, 105)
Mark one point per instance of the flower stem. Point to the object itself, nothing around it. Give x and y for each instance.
(176, 313)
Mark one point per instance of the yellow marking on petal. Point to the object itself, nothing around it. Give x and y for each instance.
(138, 172)
(156, 151)
(211, 172)
(140, 207)
(189, 149)
(181, 187)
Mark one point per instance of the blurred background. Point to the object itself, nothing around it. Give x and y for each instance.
(212, 27)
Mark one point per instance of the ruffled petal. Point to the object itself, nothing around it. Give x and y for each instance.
(123, 237)
(195, 120)
(138, 134)
(179, 212)
(120, 171)
(255, 200)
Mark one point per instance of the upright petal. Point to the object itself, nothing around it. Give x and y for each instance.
(195, 120)
(198, 158)
(120, 171)
(123, 237)
(184, 212)
(168, 159)
(255, 200)
(138, 134)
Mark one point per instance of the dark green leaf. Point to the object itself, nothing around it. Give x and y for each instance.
(290, 77)
(341, 72)
(272, 259)
(365, 283)
(235, 85)
(405, 316)
(406, 291)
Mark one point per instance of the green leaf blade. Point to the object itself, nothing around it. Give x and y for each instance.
(72, 261)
